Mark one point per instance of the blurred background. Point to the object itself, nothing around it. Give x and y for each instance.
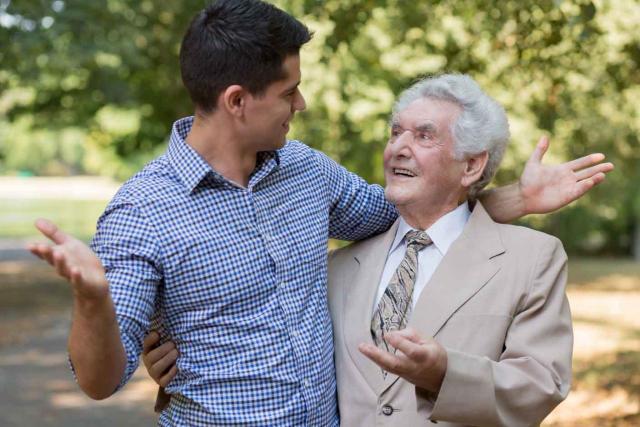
(89, 90)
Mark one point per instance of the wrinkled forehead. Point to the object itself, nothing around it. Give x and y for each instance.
(427, 112)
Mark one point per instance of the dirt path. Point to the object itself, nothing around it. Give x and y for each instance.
(36, 386)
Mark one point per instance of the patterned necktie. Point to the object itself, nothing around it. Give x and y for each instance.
(394, 307)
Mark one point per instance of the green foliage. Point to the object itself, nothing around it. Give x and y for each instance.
(106, 72)
(77, 217)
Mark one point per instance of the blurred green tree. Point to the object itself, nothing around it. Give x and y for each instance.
(108, 69)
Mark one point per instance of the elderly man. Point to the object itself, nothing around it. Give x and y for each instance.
(449, 316)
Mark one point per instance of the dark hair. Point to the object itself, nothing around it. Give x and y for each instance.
(242, 42)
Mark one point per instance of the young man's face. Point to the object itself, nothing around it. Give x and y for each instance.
(268, 115)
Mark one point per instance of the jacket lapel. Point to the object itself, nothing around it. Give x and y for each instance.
(468, 265)
(368, 263)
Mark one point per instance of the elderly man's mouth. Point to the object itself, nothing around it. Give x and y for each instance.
(403, 172)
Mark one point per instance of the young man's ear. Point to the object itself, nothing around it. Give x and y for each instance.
(233, 100)
(473, 168)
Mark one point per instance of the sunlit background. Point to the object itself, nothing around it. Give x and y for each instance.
(89, 90)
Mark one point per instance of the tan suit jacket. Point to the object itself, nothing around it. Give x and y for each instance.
(497, 304)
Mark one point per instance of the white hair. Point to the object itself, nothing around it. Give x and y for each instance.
(481, 126)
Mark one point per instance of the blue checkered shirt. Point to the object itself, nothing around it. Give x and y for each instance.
(237, 277)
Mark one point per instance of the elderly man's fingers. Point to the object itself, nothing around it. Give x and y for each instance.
(586, 161)
(153, 356)
(150, 342)
(594, 170)
(161, 366)
(411, 334)
(407, 346)
(387, 361)
(51, 231)
(166, 378)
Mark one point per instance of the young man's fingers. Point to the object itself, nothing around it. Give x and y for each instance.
(35, 250)
(46, 252)
(150, 341)
(593, 170)
(75, 276)
(166, 378)
(598, 178)
(60, 263)
(586, 161)
(587, 184)
(540, 150)
(51, 231)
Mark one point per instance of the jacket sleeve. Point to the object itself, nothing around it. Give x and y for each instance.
(533, 373)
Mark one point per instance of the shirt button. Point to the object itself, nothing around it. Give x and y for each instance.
(294, 333)
(305, 383)
(387, 410)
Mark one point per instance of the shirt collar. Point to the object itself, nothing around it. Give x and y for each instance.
(443, 232)
(192, 168)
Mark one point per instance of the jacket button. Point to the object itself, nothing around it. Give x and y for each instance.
(387, 410)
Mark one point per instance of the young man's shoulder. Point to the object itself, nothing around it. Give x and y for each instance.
(156, 179)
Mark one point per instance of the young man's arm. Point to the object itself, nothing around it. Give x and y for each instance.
(358, 210)
(112, 310)
(545, 188)
(94, 340)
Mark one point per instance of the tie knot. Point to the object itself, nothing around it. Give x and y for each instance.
(417, 239)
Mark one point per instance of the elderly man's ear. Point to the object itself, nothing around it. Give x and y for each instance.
(473, 169)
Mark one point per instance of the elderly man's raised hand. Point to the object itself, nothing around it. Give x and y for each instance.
(421, 361)
(545, 188)
(73, 260)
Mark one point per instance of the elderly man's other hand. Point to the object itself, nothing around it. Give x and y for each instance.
(545, 188)
(421, 361)
(160, 360)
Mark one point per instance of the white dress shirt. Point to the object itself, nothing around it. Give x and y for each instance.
(443, 233)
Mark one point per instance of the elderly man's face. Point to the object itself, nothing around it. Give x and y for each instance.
(418, 161)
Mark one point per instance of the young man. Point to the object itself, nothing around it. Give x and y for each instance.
(224, 238)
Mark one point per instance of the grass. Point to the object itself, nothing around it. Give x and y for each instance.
(77, 217)
(604, 295)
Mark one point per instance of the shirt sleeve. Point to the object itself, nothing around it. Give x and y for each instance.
(128, 249)
(357, 210)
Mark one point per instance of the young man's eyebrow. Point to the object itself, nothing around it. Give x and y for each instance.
(292, 87)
